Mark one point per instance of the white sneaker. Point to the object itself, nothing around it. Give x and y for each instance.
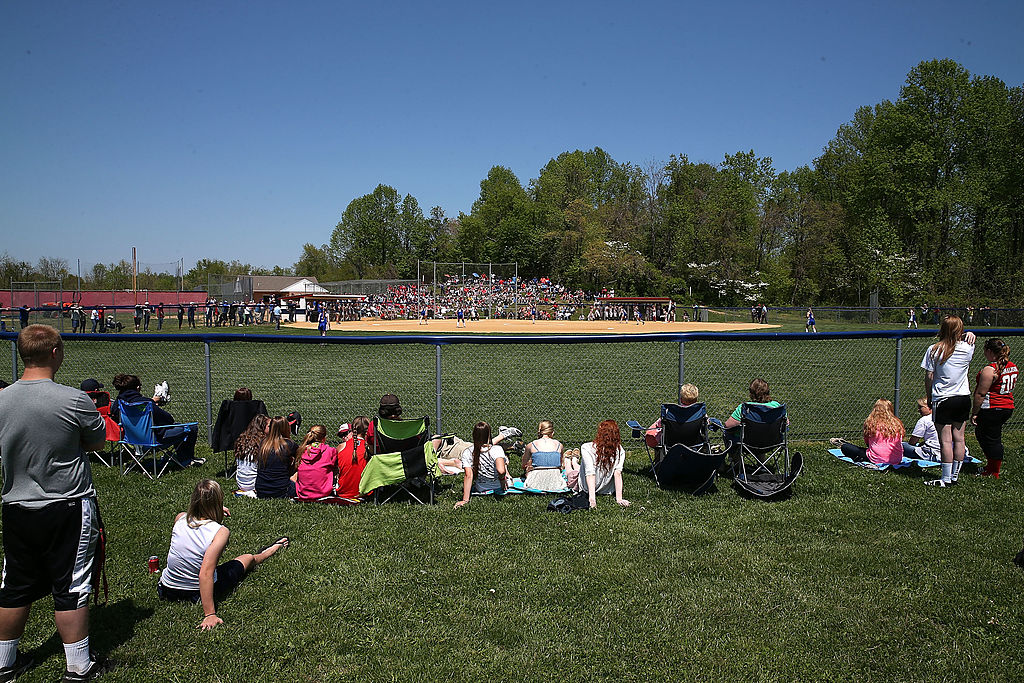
(509, 432)
(938, 482)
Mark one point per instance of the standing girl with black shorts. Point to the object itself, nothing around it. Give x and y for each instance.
(993, 403)
(946, 363)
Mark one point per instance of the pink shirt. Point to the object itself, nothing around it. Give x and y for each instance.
(882, 451)
(317, 466)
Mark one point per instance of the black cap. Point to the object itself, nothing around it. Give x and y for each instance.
(389, 406)
(294, 421)
(91, 385)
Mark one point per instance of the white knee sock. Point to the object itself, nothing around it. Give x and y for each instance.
(947, 472)
(957, 464)
(8, 651)
(77, 655)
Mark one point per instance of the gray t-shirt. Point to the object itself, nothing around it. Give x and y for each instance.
(43, 428)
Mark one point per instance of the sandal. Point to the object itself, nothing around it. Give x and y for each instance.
(284, 542)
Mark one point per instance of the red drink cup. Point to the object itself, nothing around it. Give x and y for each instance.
(154, 564)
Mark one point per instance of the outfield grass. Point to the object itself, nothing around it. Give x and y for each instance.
(859, 576)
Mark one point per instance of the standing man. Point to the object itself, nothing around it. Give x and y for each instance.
(147, 313)
(23, 315)
(192, 315)
(50, 519)
(277, 315)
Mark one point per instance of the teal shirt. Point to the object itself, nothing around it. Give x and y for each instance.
(739, 409)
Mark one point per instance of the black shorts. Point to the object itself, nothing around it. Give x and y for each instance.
(952, 410)
(229, 575)
(50, 550)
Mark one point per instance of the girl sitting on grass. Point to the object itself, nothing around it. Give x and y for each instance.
(602, 461)
(275, 463)
(198, 539)
(883, 434)
(317, 464)
(485, 465)
(351, 456)
(247, 447)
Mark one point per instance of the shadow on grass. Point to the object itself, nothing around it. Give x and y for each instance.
(110, 626)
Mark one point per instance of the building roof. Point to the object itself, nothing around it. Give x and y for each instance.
(280, 283)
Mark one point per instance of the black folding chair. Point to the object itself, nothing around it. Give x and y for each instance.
(762, 465)
(683, 456)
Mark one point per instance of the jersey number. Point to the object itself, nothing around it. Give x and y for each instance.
(1008, 382)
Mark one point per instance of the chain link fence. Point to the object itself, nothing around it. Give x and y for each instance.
(829, 382)
(886, 315)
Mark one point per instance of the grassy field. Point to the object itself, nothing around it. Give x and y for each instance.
(859, 576)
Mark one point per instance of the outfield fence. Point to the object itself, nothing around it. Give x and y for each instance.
(828, 381)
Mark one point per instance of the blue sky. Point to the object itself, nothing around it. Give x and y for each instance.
(241, 130)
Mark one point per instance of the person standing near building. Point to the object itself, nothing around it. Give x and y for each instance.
(51, 526)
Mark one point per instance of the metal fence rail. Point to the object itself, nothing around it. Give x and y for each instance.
(829, 381)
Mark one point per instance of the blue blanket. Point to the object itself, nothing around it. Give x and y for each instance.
(907, 462)
(518, 487)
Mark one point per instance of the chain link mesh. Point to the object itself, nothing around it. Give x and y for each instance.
(827, 384)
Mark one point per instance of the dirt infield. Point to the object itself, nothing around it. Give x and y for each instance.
(527, 327)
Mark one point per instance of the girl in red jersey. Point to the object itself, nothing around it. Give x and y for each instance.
(351, 456)
(993, 403)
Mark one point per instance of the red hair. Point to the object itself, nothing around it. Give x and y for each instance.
(882, 422)
(607, 442)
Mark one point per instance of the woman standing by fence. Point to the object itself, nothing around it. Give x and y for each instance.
(993, 403)
(946, 387)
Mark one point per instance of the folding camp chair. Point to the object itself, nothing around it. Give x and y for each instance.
(102, 401)
(761, 462)
(232, 419)
(387, 475)
(390, 436)
(682, 457)
(139, 440)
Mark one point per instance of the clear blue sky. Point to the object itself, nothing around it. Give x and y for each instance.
(240, 130)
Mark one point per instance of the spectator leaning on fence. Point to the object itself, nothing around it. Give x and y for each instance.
(946, 363)
(51, 526)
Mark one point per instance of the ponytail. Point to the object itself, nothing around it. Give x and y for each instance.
(1001, 351)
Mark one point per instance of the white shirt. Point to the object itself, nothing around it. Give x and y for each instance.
(949, 378)
(925, 430)
(588, 466)
(486, 476)
(185, 558)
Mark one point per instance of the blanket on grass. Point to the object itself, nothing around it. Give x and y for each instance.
(518, 487)
(907, 462)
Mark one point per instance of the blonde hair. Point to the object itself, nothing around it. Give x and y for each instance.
(688, 394)
(922, 403)
(950, 332)
(882, 422)
(316, 434)
(207, 503)
(545, 429)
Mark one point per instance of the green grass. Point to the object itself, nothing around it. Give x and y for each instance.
(859, 576)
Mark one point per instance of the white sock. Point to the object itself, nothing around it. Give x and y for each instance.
(8, 651)
(947, 472)
(77, 655)
(957, 464)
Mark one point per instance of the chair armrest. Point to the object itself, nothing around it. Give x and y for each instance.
(638, 429)
(182, 424)
(715, 423)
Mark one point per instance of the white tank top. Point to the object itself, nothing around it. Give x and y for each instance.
(188, 545)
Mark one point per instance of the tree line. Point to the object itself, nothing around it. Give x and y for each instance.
(921, 198)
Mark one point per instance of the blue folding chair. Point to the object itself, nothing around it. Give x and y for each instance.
(139, 439)
(683, 457)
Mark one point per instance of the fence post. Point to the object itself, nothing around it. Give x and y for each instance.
(14, 361)
(899, 372)
(209, 395)
(682, 375)
(437, 372)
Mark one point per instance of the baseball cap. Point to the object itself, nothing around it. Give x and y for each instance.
(344, 429)
(91, 385)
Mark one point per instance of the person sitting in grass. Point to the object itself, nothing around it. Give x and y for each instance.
(351, 456)
(883, 434)
(543, 460)
(601, 466)
(485, 465)
(923, 443)
(275, 463)
(450, 448)
(198, 539)
(247, 448)
(316, 466)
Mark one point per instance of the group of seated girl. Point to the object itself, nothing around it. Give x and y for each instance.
(269, 464)
(596, 468)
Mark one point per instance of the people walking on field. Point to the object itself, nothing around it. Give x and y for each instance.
(946, 363)
(912, 318)
(809, 326)
(993, 403)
